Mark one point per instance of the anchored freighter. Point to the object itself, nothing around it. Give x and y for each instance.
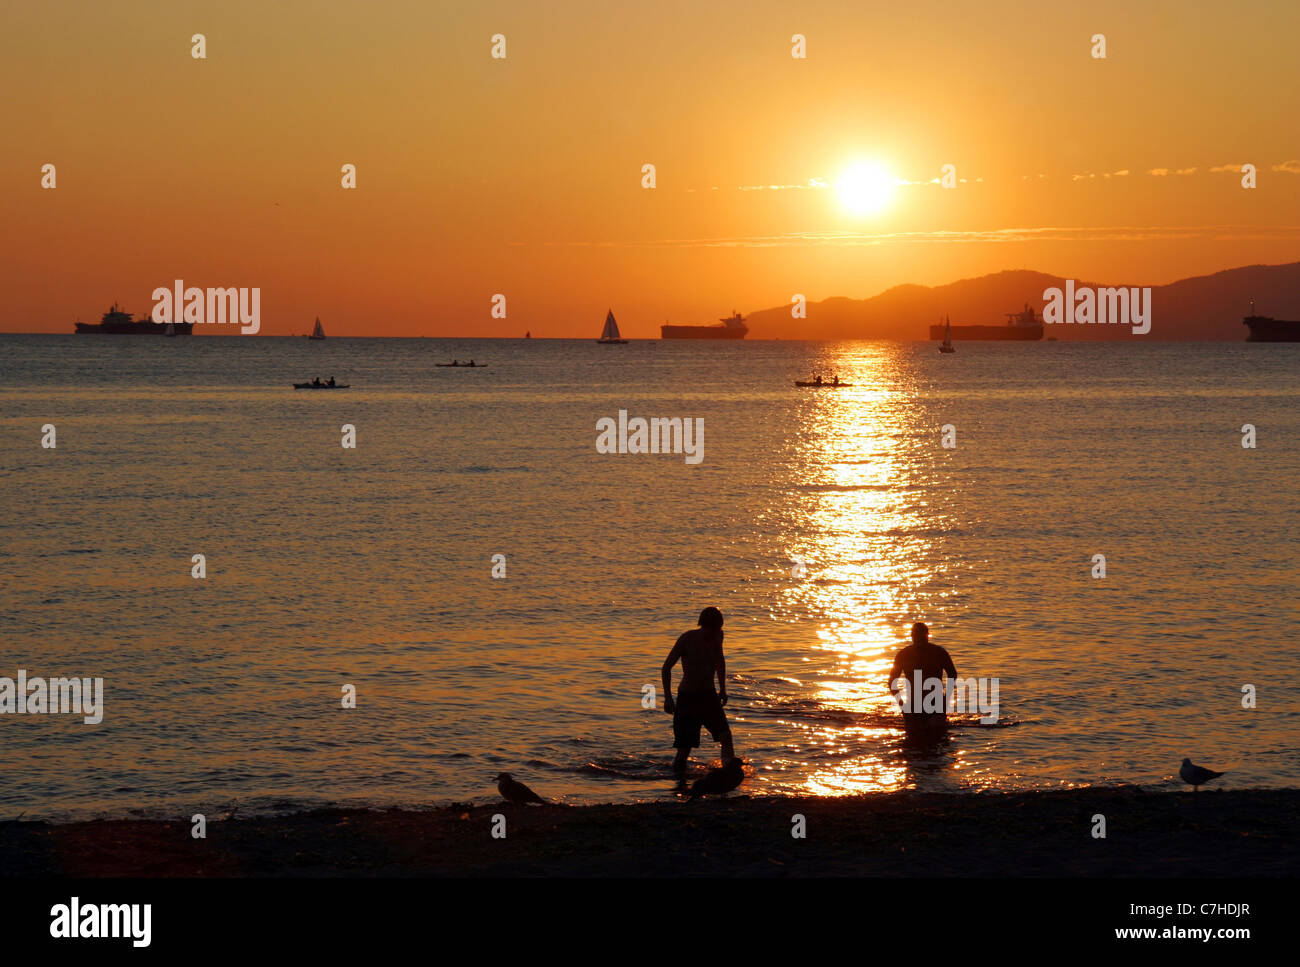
(118, 322)
(733, 327)
(1025, 324)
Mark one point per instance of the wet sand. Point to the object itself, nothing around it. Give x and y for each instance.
(1209, 833)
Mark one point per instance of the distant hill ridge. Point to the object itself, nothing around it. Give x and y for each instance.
(1207, 307)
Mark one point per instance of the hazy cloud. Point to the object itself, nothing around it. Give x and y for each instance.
(1054, 234)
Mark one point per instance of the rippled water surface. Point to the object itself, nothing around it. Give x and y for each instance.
(373, 566)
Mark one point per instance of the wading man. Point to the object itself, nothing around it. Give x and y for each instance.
(922, 664)
(697, 704)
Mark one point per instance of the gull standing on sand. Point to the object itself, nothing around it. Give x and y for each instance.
(516, 792)
(1195, 775)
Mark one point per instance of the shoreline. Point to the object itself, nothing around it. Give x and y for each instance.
(1216, 833)
(1119, 338)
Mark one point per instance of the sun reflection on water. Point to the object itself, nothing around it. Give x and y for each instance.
(862, 543)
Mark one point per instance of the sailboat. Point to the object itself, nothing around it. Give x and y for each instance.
(318, 332)
(946, 346)
(609, 336)
(170, 330)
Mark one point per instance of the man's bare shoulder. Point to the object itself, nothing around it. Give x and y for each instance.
(700, 640)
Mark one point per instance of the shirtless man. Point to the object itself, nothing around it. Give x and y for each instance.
(932, 662)
(697, 704)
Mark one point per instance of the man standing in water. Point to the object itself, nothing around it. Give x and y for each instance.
(697, 704)
(923, 665)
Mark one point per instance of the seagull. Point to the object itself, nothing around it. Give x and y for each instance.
(516, 792)
(1195, 775)
(719, 780)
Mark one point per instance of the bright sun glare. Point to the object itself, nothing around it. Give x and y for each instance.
(865, 188)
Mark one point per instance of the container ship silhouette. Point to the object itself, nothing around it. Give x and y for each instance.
(1264, 329)
(732, 327)
(1023, 325)
(118, 322)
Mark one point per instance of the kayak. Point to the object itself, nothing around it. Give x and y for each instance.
(462, 365)
(822, 385)
(321, 386)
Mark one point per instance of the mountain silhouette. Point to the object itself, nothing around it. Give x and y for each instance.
(1207, 307)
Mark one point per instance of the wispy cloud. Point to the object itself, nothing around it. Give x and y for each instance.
(812, 184)
(1122, 173)
(1057, 234)
(816, 184)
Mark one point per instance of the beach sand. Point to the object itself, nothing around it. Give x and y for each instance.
(1209, 833)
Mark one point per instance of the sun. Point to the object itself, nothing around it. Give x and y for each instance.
(865, 188)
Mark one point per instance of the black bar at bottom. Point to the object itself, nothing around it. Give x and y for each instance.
(539, 916)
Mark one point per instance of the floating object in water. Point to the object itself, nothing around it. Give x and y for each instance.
(733, 327)
(822, 383)
(946, 346)
(1023, 325)
(120, 322)
(609, 336)
(1265, 329)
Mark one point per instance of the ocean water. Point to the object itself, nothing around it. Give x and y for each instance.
(373, 566)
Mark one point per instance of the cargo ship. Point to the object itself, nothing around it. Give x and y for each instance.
(1264, 329)
(732, 327)
(118, 322)
(1023, 325)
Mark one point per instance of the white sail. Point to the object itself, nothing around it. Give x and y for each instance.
(611, 327)
(318, 332)
(947, 346)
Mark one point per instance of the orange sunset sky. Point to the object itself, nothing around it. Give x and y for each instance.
(523, 176)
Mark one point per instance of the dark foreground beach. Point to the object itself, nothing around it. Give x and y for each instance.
(1210, 833)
